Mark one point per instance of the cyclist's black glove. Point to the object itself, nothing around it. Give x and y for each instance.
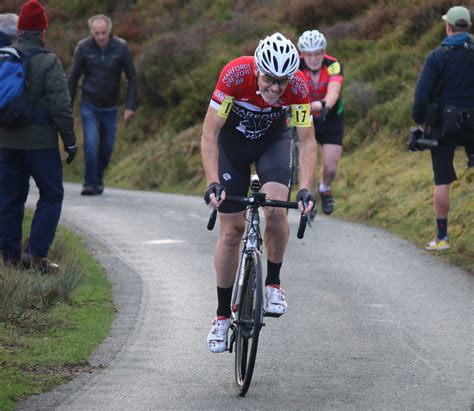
(215, 188)
(321, 118)
(71, 151)
(305, 197)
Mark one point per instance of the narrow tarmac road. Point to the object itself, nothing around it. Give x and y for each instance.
(373, 321)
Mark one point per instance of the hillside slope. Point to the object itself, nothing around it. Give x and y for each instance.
(180, 47)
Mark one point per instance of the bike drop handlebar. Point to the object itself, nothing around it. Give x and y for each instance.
(259, 200)
(212, 218)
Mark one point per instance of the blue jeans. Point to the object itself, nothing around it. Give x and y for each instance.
(16, 168)
(99, 126)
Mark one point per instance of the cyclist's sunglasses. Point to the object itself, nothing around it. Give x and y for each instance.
(282, 82)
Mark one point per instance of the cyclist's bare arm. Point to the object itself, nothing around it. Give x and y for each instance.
(334, 91)
(213, 124)
(307, 158)
(331, 97)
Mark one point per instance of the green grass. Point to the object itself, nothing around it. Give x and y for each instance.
(384, 185)
(48, 341)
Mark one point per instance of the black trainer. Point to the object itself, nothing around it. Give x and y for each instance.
(327, 202)
(88, 191)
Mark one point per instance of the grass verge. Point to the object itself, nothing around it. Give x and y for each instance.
(383, 185)
(51, 324)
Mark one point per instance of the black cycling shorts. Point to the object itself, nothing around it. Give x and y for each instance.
(330, 131)
(272, 158)
(442, 157)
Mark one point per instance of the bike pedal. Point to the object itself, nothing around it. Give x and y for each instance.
(267, 314)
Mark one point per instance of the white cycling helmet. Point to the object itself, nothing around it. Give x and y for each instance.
(277, 56)
(312, 40)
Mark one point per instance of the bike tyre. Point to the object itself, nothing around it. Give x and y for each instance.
(251, 309)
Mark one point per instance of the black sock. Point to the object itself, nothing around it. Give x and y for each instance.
(442, 224)
(273, 273)
(224, 296)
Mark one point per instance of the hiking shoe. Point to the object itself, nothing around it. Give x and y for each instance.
(89, 191)
(217, 338)
(99, 189)
(41, 264)
(327, 202)
(276, 300)
(438, 244)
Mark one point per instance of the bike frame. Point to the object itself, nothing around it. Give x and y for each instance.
(252, 243)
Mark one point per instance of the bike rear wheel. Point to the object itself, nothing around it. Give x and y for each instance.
(250, 320)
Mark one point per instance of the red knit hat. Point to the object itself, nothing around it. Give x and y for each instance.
(32, 17)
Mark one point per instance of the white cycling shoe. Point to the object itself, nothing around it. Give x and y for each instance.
(217, 338)
(276, 300)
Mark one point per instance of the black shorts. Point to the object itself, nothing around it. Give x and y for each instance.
(330, 131)
(442, 157)
(272, 158)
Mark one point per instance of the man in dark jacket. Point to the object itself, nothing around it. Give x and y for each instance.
(32, 151)
(444, 109)
(8, 23)
(101, 58)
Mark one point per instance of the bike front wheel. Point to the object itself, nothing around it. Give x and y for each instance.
(249, 323)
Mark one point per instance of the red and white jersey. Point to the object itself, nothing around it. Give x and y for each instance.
(236, 98)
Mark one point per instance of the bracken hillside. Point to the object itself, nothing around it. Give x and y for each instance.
(180, 47)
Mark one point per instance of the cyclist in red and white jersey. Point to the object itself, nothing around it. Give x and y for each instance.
(246, 124)
(325, 78)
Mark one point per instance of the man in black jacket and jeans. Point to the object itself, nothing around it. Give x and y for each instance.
(447, 79)
(101, 57)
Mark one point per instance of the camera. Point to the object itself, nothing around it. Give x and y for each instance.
(418, 142)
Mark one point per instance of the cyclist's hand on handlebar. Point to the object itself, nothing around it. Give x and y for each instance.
(214, 195)
(305, 200)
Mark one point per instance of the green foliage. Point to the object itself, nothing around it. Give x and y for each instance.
(167, 162)
(82, 7)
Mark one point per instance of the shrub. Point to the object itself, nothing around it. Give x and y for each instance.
(306, 14)
(359, 98)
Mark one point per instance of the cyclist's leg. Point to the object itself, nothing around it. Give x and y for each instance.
(329, 136)
(274, 171)
(226, 256)
(234, 175)
(231, 227)
(331, 154)
(276, 223)
(226, 259)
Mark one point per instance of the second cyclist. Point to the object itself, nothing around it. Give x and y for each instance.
(325, 78)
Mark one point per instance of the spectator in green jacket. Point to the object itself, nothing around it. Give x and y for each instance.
(33, 151)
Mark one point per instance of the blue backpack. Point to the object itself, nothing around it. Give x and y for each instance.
(17, 107)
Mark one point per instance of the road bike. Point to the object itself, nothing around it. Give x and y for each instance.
(247, 299)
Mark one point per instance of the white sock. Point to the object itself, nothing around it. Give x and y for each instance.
(323, 188)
